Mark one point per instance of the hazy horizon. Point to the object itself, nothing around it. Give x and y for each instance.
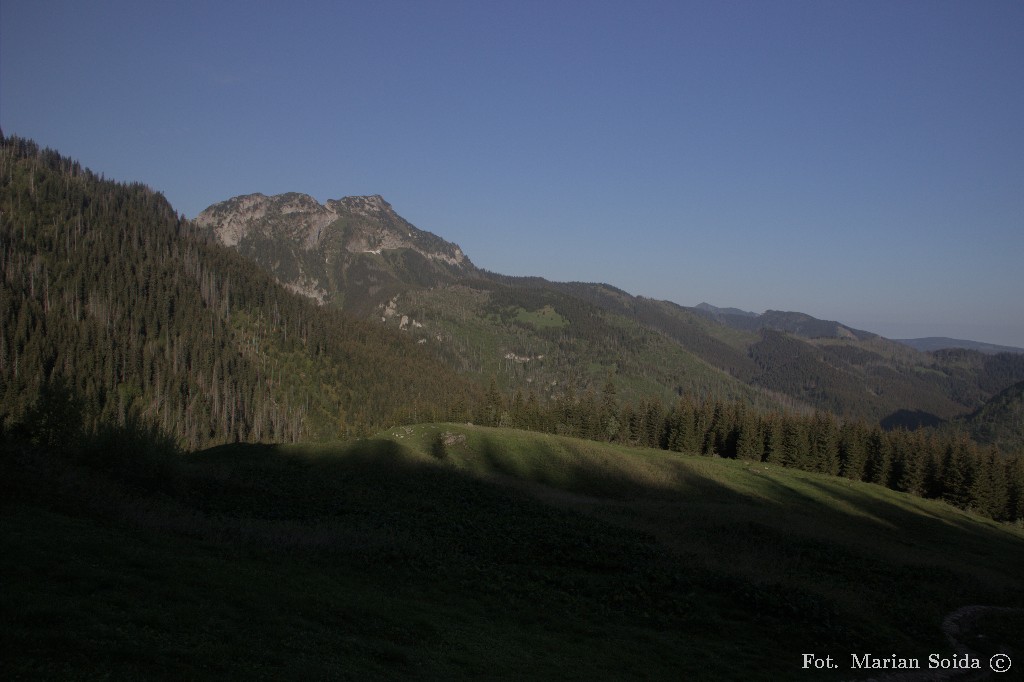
(861, 162)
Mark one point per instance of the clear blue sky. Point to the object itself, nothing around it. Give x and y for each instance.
(860, 161)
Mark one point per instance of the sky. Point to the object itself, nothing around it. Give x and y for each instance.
(857, 161)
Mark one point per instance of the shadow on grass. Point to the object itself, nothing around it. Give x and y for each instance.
(593, 593)
(972, 544)
(816, 541)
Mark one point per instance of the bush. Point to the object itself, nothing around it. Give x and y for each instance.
(438, 446)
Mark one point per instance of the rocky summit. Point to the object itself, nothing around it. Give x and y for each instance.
(355, 251)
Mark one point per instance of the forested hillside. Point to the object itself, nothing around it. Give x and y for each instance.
(535, 337)
(820, 364)
(109, 296)
(1000, 421)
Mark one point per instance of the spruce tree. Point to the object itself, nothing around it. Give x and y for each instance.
(1014, 474)
(609, 411)
(772, 432)
(824, 444)
(877, 458)
(908, 472)
(959, 468)
(852, 453)
(794, 446)
(749, 440)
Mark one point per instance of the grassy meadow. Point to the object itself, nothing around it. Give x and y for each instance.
(446, 551)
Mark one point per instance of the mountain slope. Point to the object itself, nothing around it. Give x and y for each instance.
(358, 254)
(1000, 421)
(545, 337)
(535, 337)
(108, 294)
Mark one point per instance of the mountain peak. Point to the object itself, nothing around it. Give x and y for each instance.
(234, 220)
(312, 247)
(370, 206)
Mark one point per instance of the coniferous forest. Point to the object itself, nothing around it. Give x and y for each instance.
(944, 465)
(111, 299)
(115, 310)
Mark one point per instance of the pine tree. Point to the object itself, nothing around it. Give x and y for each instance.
(794, 446)
(932, 457)
(852, 455)
(566, 407)
(588, 418)
(1014, 474)
(703, 434)
(493, 405)
(772, 430)
(877, 458)
(654, 424)
(681, 426)
(517, 411)
(534, 418)
(749, 440)
(609, 411)
(989, 490)
(959, 468)
(631, 424)
(824, 444)
(723, 431)
(908, 470)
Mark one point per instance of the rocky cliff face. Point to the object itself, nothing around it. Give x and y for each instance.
(369, 223)
(355, 251)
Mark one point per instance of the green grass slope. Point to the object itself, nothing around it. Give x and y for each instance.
(452, 551)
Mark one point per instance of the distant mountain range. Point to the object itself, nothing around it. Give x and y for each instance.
(796, 323)
(933, 343)
(805, 325)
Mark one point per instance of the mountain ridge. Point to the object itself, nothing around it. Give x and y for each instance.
(534, 334)
(934, 343)
(223, 221)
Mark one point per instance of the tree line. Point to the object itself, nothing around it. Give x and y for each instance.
(927, 463)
